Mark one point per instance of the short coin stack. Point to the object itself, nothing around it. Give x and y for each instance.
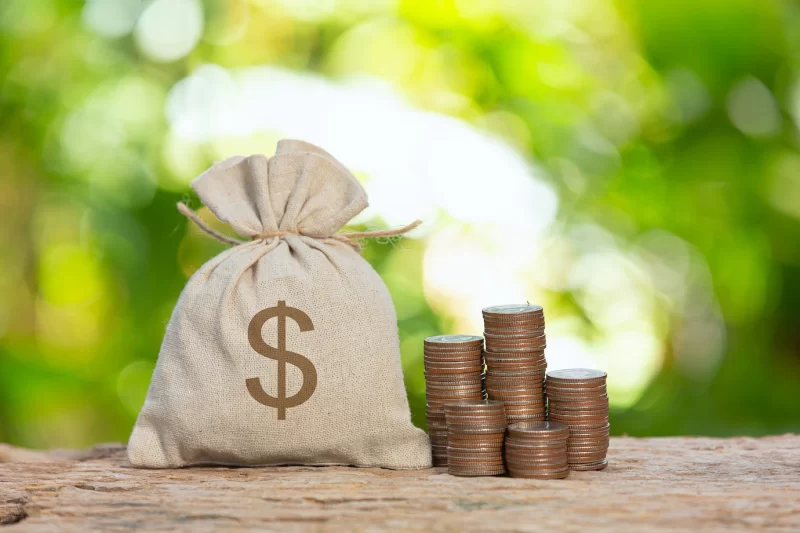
(453, 374)
(537, 450)
(577, 397)
(515, 362)
(475, 433)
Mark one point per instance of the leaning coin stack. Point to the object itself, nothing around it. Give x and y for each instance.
(577, 397)
(453, 374)
(537, 450)
(515, 362)
(475, 433)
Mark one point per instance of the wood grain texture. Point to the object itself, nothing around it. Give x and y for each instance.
(664, 484)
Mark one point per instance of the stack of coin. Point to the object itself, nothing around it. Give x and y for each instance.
(577, 397)
(475, 433)
(537, 450)
(515, 362)
(453, 374)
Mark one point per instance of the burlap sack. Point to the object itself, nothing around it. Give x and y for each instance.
(283, 349)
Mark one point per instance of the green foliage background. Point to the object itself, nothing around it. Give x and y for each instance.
(89, 272)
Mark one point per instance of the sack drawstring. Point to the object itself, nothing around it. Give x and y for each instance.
(347, 238)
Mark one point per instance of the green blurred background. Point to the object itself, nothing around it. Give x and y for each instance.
(660, 227)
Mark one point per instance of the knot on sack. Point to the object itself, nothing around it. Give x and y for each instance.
(350, 239)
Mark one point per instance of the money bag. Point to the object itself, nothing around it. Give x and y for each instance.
(284, 348)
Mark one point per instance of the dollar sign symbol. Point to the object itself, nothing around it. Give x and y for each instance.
(282, 356)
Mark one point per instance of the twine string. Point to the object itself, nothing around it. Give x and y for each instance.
(351, 238)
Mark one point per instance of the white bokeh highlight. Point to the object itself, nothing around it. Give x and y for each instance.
(490, 215)
(169, 29)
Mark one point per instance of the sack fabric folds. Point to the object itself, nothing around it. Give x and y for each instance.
(283, 349)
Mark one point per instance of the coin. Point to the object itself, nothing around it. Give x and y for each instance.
(474, 430)
(514, 356)
(484, 455)
(467, 416)
(509, 369)
(453, 357)
(476, 473)
(475, 421)
(584, 433)
(522, 454)
(433, 380)
(587, 424)
(523, 374)
(575, 399)
(508, 337)
(513, 349)
(507, 322)
(474, 440)
(511, 381)
(538, 429)
(577, 375)
(543, 440)
(466, 340)
(509, 327)
(520, 396)
(580, 443)
(533, 474)
(599, 465)
(525, 415)
(503, 318)
(477, 407)
(475, 444)
(570, 416)
(476, 461)
(540, 467)
(519, 410)
(555, 450)
(513, 341)
(456, 373)
(578, 404)
(591, 440)
(512, 328)
(578, 413)
(574, 390)
(518, 363)
(523, 399)
(521, 387)
(475, 357)
(520, 380)
(477, 465)
(500, 368)
(513, 309)
(578, 398)
(580, 455)
(512, 409)
(466, 384)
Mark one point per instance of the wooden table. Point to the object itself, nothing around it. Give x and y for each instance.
(662, 484)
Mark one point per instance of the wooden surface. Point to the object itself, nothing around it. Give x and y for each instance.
(667, 484)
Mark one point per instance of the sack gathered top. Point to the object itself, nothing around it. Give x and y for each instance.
(283, 349)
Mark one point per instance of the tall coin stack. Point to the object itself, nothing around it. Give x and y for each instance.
(577, 397)
(537, 450)
(515, 362)
(475, 433)
(453, 374)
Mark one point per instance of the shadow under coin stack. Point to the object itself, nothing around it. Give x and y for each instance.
(475, 433)
(537, 450)
(453, 374)
(577, 397)
(515, 361)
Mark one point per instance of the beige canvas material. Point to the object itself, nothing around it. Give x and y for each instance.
(199, 408)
